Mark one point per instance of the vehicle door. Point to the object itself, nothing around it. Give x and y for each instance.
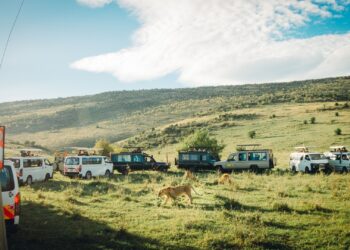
(231, 160)
(48, 167)
(8, 187)
(138, 161)
(243, 161)
(31, 168)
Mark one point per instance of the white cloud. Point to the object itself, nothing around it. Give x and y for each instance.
(94, 3)
(226, 42)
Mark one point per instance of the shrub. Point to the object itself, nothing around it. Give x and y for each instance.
(313, 120)
(336, 114)
(338, 131)
(305, 121)
(281, 207)
(252, 134)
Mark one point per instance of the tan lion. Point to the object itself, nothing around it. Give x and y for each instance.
(189, 176)
(225, 178)
(174, 192)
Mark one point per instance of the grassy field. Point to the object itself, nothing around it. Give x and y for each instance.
(271, 211)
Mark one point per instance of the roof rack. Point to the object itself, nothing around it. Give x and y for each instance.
(83, 150)
(338, 149)
(27, 152)
(244, 146)
(303, 149)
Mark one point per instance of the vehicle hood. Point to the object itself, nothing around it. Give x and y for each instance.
(219, 163)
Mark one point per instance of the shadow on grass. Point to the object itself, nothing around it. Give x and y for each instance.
(47, 227)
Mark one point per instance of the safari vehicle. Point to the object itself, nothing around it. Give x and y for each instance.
(30, 167)
(302, 160)
(196, 159)
(339, 159)
(253, 159)
(10, 194)
(87, 166)
(62, 153)
(136, 160)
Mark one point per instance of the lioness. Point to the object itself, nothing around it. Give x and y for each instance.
(224, 178)
(189, 176)
(174, 192)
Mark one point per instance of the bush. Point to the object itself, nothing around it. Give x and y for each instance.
(252, 134)
(313, 120)
(336, 114)
(305, 121)
(338, 131)
(201, 139)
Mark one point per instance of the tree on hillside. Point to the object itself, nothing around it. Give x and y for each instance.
(252, 134)
(201, 139)
(338, 131)
(313, 120)
(105, 146)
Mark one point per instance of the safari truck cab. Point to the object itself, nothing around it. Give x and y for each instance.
(196, 159)
(30, 167)
(339, 159)
(10, 194)
(87, 165)
(137, 160)
(302, 160)
(248, 159)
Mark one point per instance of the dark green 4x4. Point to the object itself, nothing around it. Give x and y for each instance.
(133, 161)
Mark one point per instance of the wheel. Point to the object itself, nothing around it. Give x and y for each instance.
(294, 170)
(108, 174)
(254, 169)
(29, 180)
(88, 175)
(307, 170)
(47, 177)
(344, 170)
(220, 170)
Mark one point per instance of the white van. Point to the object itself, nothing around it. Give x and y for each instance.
(32, 169)
(10, 194)
(245, 159)
(87, 166)
(308, 162)
(339, 159)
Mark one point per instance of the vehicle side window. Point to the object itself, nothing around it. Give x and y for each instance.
(194, 157)
(185, 157)
(137, 158)
(204, 157)
(231, 157)
(301, 158)
(6, 179)
(98, 160)
(307, 157)
(343, 157)
(47, 163)
(124, 158)
(257, 156)
(85, 160)
(242, 156)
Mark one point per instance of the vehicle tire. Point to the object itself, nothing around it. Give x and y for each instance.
(88, 175)
(108, 174)
(47, 177)
(29, 180)
(344, 170)
(254, 169)
(294, 170)
(307, 170)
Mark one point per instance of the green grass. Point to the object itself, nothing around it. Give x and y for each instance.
(273, 211)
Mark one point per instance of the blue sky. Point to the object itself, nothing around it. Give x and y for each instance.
(58, 46)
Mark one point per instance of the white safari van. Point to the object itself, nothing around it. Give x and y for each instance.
(302, 160)
(10, 194)
(247, 159)
(339, 159)
(32, 168)
(87, 166)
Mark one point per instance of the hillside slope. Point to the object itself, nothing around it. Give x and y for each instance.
(120, 115)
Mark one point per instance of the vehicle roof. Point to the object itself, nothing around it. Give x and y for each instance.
(70, 156)
(194, 152)
(252, 150)
(27, 157)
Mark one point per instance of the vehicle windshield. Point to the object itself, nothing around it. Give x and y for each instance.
(316, 157)
(6, 179)
(72, 161)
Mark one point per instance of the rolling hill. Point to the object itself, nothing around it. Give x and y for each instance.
(159, 118)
